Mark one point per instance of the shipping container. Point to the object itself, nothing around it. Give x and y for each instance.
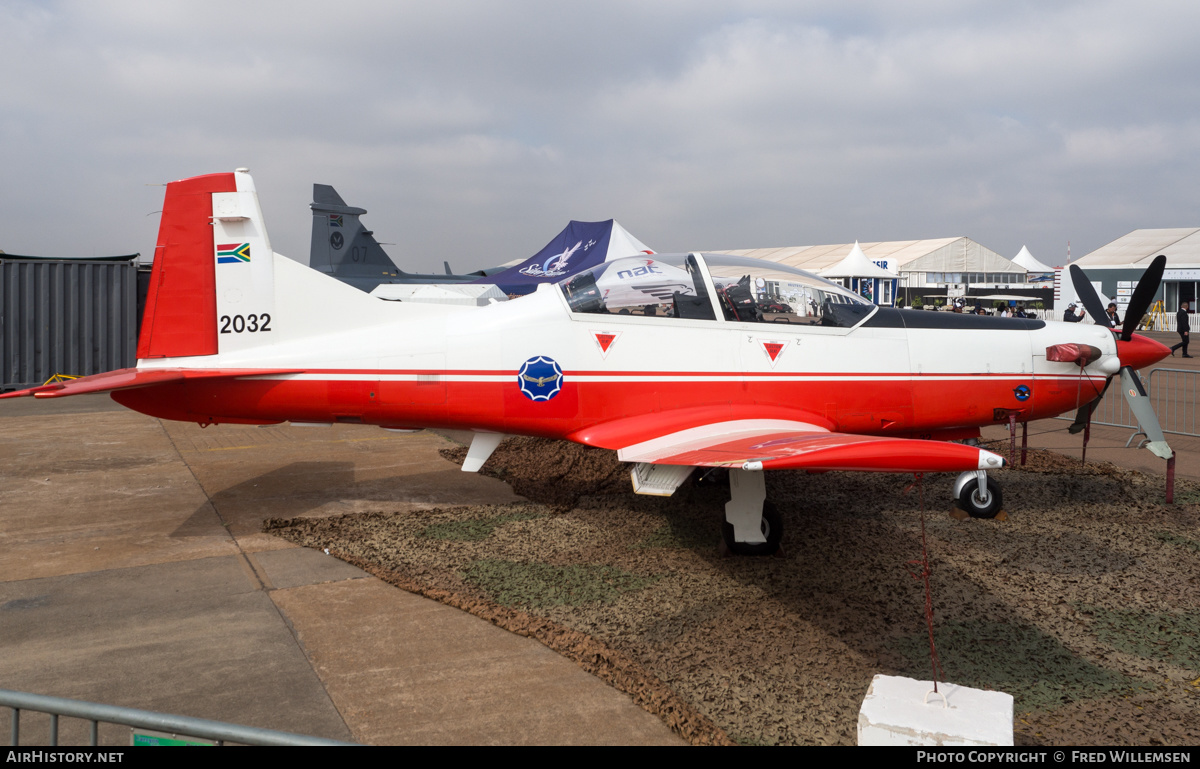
(66, 316)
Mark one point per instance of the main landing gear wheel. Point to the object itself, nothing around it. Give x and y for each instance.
(970, 500)
(772, 529)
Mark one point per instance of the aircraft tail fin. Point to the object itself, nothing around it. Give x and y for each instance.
(218, 288)
(212, 286)
(341, 245)
(181, 310)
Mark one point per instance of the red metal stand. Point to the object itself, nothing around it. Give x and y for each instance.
(923, 575)
(1087, 433)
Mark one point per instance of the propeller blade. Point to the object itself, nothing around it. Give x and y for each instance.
(1084, 411)
(1081, 417)
(1139, 404)
(1089, 297)
(1143, 295)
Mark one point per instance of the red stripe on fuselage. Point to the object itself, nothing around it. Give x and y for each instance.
(869, 407)
(617, 376)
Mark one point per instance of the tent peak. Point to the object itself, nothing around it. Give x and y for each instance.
(857, 265)
(1029, 262)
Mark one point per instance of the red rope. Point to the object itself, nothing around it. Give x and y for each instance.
(924, 577)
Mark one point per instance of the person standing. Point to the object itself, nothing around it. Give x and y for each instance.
(1113, 320)
(1183, 327)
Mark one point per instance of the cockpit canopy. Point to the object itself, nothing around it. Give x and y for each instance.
(685, 286)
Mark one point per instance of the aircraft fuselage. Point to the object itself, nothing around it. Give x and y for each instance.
(625, 375)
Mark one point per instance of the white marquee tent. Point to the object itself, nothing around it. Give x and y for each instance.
(1029, 262)
(857, 265)
(917, 261)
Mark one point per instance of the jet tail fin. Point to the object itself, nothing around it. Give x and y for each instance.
(341, 245)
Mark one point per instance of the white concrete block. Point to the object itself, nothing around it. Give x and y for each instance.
(894, 712)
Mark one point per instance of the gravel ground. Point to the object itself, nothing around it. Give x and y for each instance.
(1084, 604)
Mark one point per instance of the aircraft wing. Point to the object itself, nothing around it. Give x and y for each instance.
(783, 444)
(129, 378)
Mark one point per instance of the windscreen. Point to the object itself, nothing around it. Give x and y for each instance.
(757, 291)
(747, 290)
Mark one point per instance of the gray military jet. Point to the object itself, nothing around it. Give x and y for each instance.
(344, 249)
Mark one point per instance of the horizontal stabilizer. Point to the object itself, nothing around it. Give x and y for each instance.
(129, 378)
(779, 444)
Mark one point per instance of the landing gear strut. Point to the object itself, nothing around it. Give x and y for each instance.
(977, 495)
(752, 526)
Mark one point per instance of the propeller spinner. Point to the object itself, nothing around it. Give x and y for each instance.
(1133, 351)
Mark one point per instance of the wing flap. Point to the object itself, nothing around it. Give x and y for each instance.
(779, 445)
(627, 431)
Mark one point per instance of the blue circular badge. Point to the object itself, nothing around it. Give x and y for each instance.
(540, 378)
(1022, 392)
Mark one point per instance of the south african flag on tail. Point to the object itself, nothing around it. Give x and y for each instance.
(233, 253)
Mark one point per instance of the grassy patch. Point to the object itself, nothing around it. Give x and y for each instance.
(681, 534)
(535, 585)
(1038, 671)
(1173, 638)
(474, 529)
(1175, 539)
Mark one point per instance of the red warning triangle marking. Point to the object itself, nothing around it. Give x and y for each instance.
(605, 340)
(773, 349)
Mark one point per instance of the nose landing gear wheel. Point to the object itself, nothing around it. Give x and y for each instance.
(772, 529)
(970, 499)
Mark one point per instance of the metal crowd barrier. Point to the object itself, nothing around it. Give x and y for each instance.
(1113, 409)
(1173, 393)
(1170, 320)
(97, 713)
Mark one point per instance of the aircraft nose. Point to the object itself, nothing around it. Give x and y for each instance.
(1141, 351)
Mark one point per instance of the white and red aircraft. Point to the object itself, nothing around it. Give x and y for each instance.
(691, 373)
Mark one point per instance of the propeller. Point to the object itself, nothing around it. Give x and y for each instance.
(1085, 411)
(1091, 300)
(1129, 350)
(1143, 295)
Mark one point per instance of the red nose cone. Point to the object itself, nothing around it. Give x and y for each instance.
(1141, 351)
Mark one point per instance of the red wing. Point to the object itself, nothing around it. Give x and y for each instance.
(780, 444)
(128, 378)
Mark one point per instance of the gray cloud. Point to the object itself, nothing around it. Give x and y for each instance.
(473, 131)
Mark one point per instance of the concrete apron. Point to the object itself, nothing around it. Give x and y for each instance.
(133, 572)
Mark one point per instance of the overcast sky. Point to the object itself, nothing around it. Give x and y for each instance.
(474, 131)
